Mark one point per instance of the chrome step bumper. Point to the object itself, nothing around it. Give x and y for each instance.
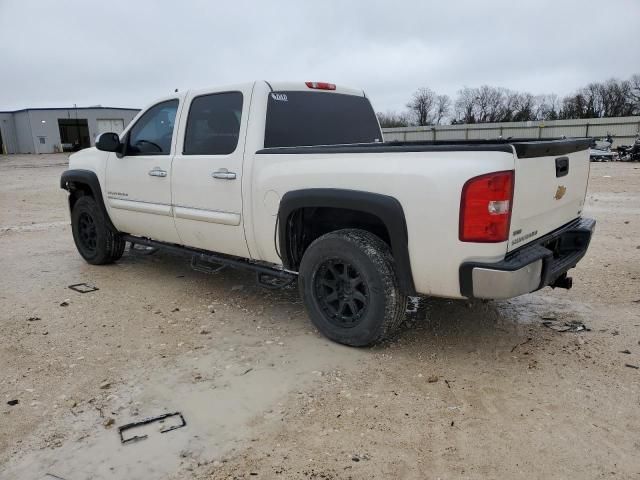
(532, 267)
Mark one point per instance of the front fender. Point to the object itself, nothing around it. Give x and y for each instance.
(79, 179)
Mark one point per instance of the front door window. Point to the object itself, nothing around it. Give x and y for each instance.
(153, 132)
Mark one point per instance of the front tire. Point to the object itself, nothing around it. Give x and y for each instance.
(96, 242)
(349, 286)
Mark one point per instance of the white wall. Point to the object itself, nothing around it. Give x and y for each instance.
(623, 129)
(23, 132)
(8, 132)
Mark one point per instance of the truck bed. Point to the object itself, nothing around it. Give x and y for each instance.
(550, 181)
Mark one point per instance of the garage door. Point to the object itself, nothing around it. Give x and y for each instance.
(115, 125)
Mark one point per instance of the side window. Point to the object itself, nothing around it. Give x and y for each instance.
(152, 133)
(213, 125)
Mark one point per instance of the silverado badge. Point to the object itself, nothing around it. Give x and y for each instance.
(560, 192)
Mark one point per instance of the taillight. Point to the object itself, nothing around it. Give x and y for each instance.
(320, 85)
(485, 208)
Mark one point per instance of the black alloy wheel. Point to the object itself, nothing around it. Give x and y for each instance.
(87, 232)
(342, 292)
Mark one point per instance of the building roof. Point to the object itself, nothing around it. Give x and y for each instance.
(69, 108)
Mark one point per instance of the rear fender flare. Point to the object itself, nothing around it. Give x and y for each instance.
(388, 209)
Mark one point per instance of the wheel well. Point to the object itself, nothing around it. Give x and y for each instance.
(79, 183)
(77, 190)
(306, 224)
(306, 214)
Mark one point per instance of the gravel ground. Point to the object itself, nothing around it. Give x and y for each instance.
(473, 390)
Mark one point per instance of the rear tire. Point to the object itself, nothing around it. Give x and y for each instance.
(96, 242)
(349, 286)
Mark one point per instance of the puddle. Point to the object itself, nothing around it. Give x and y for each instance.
(529, 309)
(217, 410)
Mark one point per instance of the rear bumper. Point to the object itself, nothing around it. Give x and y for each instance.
(531, 267)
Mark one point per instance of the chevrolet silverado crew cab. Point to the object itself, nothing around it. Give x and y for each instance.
(295, 182)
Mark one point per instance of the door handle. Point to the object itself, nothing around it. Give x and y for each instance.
(224, 174)
(562, 166)
(157, 172)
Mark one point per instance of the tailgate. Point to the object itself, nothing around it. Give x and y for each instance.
(550, 186)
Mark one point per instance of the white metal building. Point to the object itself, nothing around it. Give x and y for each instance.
(50, 130)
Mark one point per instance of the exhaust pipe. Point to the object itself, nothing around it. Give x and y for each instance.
(563, 282)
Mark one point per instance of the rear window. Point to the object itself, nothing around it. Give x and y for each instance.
(316, 118)
(213, 125)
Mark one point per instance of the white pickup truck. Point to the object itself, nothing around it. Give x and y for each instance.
(293, 180)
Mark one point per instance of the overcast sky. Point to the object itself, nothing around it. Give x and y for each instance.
(127, 53)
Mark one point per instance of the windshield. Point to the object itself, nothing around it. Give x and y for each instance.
(318, 118)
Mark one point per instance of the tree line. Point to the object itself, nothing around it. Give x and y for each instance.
(487, 104)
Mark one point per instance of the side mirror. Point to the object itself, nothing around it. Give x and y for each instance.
(108, 142)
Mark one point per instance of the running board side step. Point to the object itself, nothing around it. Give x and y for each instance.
(212, 262)
(270, 282)
(202, 263)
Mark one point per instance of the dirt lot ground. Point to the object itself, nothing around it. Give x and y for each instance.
(475, 390)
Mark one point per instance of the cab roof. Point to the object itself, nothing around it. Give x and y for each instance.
(302, 86)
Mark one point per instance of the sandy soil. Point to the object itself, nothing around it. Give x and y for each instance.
(474, 390)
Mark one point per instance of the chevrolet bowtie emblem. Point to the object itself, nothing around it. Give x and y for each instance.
(560, 192)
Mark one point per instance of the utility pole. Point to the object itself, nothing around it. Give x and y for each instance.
(75, 107)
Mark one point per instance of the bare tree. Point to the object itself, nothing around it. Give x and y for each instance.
(490, 104)
(574, 106)
(465, 105)
(547, 107)
(613, 98)
(481, 105)
(593, 99)
(617, 98)
(634, 94)
(391, 119)
(486, 103)
(443, 107)
(422, 106)
(521, 107)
